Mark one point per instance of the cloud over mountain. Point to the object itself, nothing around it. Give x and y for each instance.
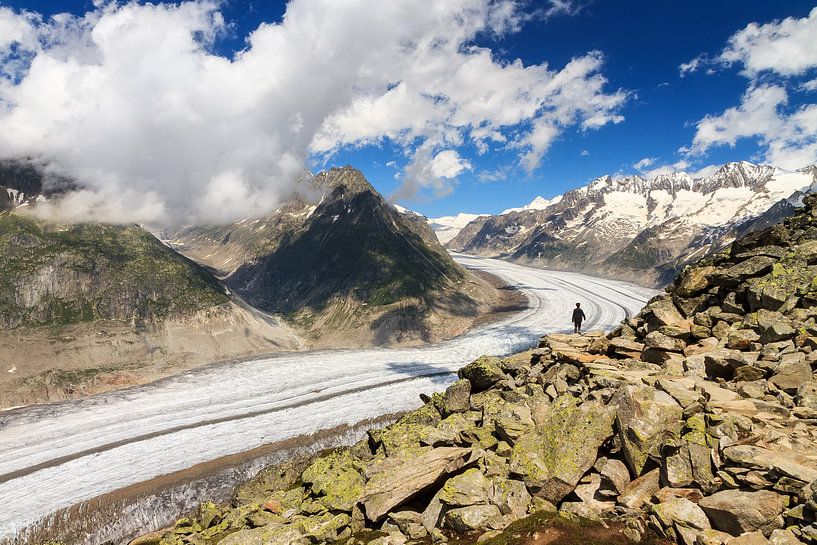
(136, 102)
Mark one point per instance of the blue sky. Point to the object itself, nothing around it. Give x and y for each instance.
(642, 44)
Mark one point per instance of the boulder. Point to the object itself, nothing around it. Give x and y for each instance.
(511, 497)
(475, 517)
(734, 275)
(693, 281)
(468, 488)
(267, 535)
(777, 331)
(790, 377)
(739, 511)
(682, 512)
(563, 447)
(741, 339)
(456, 399)
(614, 475)
(336, 479)
(397, 481)
(783, 537)
(624, 347)
(665, 313)
(751, 538)
(646, 419)
(784, 463)
(807, 395)
(659, 341)
(482, 373)
(640, 490)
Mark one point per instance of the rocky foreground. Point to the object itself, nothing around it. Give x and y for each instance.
(695, 420)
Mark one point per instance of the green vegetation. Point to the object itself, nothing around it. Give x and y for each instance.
(66, 274)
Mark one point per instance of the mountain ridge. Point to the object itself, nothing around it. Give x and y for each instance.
(637, 228)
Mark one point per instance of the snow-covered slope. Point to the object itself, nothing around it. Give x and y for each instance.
(637, 227)
(539, 203)
(447, 227)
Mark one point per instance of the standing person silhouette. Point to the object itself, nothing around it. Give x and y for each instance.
(578, 318)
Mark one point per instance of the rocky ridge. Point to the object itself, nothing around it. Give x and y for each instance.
(638, 228)
(695, 420)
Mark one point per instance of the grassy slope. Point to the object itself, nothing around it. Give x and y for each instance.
(70, 274)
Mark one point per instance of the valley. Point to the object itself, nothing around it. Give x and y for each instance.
(65, 454)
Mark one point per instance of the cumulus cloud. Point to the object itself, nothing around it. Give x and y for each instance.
(132, 100)
(772, 57)
(785, 47)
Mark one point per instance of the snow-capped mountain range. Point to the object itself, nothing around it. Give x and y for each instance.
(635, 227)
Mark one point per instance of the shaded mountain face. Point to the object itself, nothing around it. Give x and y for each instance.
(341, 259)
(639, 229)
(352, 244)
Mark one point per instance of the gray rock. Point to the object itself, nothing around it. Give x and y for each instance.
(511, 497)
(475, 517)
(789, 377)
(738, 511)
(640, 490)
(734, 275)
(564, 446)
(614, 476)
(400, 479)
(777, 331)
(468, 488)
(682, 512)
(456, 398)
(752, 538)
(807, 395)
(783, 537)
(483, 373)
(646, 419)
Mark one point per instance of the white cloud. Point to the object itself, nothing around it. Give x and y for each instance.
(448, 164)
(584, 153)
(131, 99)
(644, 163)
(785, 47)
(757, 115)
(692, 66)
(787, 135)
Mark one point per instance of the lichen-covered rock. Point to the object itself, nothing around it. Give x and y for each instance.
(267, 535)
(511, 496)
(396, 481)
(456, 399)
(739, 511)
(336, 479)
(474, 517)
(564, 446)
(468, 488)
(682, 512)
(646, 419)
(482, 373)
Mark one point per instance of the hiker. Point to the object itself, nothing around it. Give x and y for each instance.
(578, 318)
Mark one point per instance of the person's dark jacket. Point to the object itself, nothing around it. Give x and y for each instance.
(578, 316)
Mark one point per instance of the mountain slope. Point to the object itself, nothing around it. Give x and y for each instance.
(345, 265)
(637, 228)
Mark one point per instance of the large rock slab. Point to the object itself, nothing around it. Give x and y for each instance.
(646, 419)
(738, 511)
(400, 480)
(564, 446)
(785, 463)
